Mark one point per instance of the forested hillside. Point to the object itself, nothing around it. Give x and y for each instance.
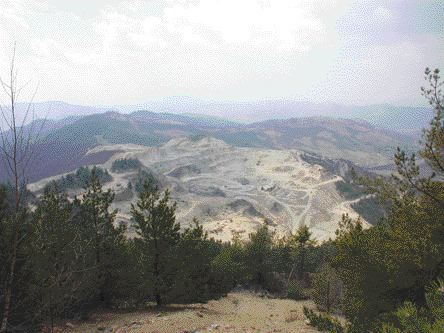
(69, 141)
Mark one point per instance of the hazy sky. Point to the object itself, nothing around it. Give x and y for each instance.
(127, 52)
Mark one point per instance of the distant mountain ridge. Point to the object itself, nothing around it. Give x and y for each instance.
(67, 142)
(404, 119)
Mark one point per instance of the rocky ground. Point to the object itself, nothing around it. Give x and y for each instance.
(237, 312)
(232, 190)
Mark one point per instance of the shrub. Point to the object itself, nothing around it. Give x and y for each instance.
(296, 291)
(79, 179)
(125, 195)
(323, 322)
(125, 164)
(142, 178)
(327, 289)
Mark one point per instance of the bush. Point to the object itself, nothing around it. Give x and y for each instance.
(327, 289)
(79, 179)
(296, 291)
(144, 177)
(125, 195)
(228, 269)
(125, 164)
(323, 322)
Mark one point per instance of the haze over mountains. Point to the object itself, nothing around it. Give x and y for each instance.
(403, 119)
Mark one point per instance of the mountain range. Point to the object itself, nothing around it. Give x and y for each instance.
(66, 144)
(405, 119)
(233, 175)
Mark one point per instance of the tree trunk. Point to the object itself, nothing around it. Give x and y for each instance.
(158, 300)
(157, 294)
(328, 295)
(290, 275)
(19, 144)
(301, 264)
(8, 289)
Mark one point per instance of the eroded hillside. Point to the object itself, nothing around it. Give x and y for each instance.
(68, 140)
(234, 190)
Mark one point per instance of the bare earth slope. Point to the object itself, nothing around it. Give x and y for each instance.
(234, 190)
(238, 312)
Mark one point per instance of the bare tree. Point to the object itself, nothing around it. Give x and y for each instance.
(18, 136)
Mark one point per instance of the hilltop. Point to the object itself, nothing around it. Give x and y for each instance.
(234, 190)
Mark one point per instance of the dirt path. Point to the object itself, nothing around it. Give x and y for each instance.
(238, 312)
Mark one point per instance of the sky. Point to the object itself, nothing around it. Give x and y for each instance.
(127, 52)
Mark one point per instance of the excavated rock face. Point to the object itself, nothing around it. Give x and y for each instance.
(233, 190)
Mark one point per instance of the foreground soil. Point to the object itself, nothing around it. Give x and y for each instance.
(237, 312)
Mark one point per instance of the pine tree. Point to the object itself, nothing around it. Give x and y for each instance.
(22, 313)
(299, 243)
(97, 219)
(17, 149)
(61, 258)
(155, 223)
(258, 255)
(228, 268)
(428, 319)
(195, 255)
(327, 289)
(394, 261)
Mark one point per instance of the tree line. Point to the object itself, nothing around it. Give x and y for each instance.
(74, 258)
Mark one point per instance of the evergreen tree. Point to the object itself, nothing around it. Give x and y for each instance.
(327, 289)
(155, 223)
(428, 319)
(258, 255)
(394, 261)
(228, 268)
(195, 253)
(125, 164)
(96, 218)
(61, 257)
(17, 296)
(300, 243)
